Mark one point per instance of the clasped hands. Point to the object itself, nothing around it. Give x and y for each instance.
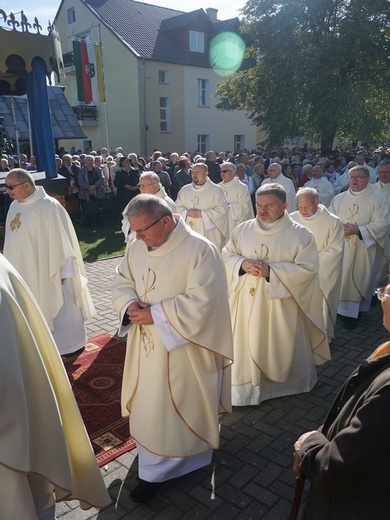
(256, 268)
(350, 229)
(140, 313)
(194, 213)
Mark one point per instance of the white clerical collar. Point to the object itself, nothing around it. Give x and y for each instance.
(276, 180)
(168, 237)
(229, 182)
(356, 193)
(267, 226)
(314, 215)
(198, 186)
(384, 186)
(30, 196)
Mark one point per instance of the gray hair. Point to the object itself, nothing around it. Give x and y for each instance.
(273, 189)
(150, 175)
(22, 176)
(155, 207)
(308, 192)
(360, 168)
(229, 165)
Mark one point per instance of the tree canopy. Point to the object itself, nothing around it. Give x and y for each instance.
(320, 68)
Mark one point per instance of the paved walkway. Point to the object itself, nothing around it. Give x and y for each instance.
(251, 476)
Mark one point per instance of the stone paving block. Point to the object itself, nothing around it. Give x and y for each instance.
(254, 511)
(242, 477)
(280, 511)
(199, 512)
(206, 497)
(266, 476)
(261, 494)
(233, 495)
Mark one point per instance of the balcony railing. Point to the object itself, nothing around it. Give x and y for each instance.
(86, 112)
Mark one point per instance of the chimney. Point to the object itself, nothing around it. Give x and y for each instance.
(212, 14)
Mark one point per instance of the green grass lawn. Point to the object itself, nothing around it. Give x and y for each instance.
(100, 242)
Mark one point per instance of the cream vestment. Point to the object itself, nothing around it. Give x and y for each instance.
(288, 186)
(239, 201)
(41, 244)
(176, 377)
(328, 232)
(41, 430)
(211, 200)
(278, 325)
(365, 256)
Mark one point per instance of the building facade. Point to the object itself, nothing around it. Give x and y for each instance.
(159, 84)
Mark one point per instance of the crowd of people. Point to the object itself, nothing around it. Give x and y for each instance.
(236, 267)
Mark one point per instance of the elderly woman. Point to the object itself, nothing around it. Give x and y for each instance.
(347, 460)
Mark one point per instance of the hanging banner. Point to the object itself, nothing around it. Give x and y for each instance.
(89, 73)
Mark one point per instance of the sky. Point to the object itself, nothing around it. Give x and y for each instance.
(46, 10)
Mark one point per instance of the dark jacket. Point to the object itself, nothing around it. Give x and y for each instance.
(348, 461)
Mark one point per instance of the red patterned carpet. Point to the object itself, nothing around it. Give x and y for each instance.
(96, 378)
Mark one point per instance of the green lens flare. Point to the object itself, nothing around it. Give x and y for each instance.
(226, 53)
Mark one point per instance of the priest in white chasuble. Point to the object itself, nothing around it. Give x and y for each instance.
(45, 453)
(366, 218)
(275, 300)
(171, 295)
(204, 207)
(328, 232)
(237, 196)
(40, 242)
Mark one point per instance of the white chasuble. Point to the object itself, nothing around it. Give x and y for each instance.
(324, 188)
(278, 326)
(239, 201)
(211, 200)
(328, 232)
(384, 189)
(288, 186)
(42, 432)
(39, 241)
(361, 262)
(172, 396)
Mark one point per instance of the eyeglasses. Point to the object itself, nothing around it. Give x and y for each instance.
(381, 294)
(224, 171)
(358, 177)
(10, 188)
(148, 227)
(145, 185)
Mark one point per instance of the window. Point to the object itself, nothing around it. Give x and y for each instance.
(164, 115)
(196, 41)
(203, 143)
(239, 142)
(163, 76)
(71, 15)
(203, 93)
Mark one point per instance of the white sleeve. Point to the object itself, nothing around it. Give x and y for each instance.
(169, 336)
(208, 223)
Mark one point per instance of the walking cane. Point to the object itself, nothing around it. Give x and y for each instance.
(299, 485)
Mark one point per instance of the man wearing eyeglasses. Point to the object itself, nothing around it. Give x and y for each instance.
(366, 218)
(170, 293)
(237, 195)
(40, 242)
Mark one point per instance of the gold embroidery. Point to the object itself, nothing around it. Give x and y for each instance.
(15, 223)
(351, 239)
(146, 336)
(263, 256)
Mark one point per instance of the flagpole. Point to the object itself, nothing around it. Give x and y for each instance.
(104, 89)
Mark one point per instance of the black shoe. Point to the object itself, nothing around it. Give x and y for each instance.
(145, 491)
(347, 322)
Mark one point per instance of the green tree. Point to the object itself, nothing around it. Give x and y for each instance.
(321, 67)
